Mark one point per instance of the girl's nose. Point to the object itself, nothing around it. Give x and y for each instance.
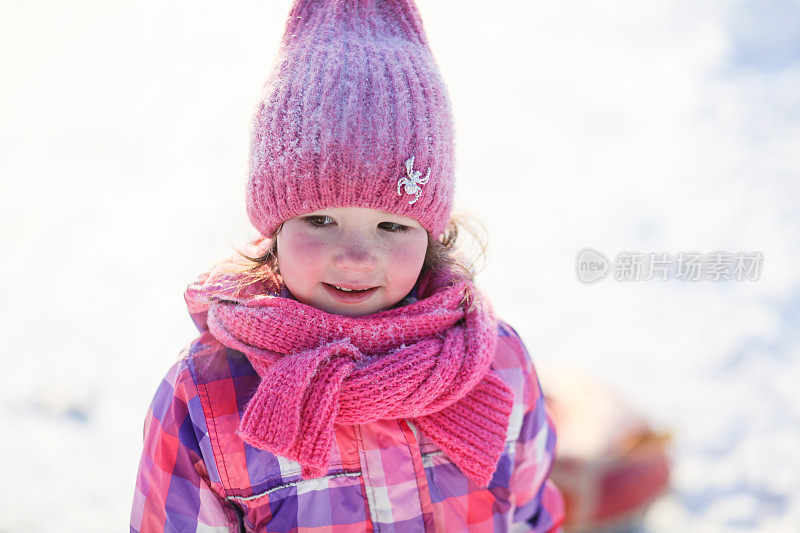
(355, 254)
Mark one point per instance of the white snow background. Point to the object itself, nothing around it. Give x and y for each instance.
(660, 126)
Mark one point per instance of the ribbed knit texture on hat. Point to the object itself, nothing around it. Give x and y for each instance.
(355, 92)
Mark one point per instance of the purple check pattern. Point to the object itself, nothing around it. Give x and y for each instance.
(196, 474)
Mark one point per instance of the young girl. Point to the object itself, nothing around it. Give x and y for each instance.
(352, 378)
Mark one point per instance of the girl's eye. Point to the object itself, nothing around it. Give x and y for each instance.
(318, 220)
(393, 227)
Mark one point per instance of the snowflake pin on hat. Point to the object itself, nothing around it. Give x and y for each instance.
(412, 181)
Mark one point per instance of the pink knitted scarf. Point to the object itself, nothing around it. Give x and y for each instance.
(427, 361)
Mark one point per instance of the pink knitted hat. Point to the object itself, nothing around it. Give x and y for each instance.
(354, 114)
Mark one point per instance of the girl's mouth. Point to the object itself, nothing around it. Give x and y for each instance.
(348, 296)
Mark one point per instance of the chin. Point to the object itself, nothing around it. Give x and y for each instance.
(354, 312)
(364, 311)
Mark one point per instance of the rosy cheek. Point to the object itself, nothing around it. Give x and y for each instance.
(407, 261)
(308, 248)
(405, 256)
(302, 252)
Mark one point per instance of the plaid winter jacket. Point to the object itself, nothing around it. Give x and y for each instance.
(196, 474)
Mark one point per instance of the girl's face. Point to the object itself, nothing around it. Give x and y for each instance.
(352, 248)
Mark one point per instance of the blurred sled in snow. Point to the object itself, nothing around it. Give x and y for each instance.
(611, 464)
